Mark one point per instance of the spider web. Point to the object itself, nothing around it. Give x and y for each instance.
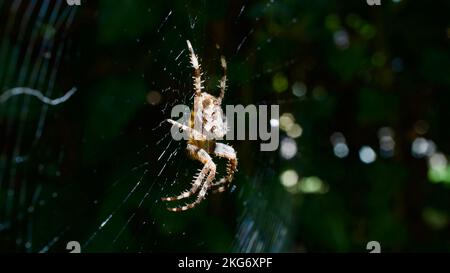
(33, 47)
(64, 177)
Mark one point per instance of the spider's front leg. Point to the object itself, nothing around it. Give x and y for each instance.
(191, 131)
(227, 152)
(197, 71)
(209, 170)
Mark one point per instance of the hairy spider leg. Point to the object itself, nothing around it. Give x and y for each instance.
(205, 158)
(194, 133)
(199, 146)
(227, 152)
(198, 108)
(223, 81)
(197, 181)
(197, 71)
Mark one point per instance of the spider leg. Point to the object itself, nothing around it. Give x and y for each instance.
(196, 183)
(223, 80)
(194, 133)
(197, 71)
(195, 153)
(225, 151)
(201, 195)
(209, 168)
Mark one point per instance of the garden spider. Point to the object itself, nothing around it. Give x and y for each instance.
(207, 124)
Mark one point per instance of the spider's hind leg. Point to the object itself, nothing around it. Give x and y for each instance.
(226, 151)
(208, 169)
(195, 153)
(196, 183)
(202, 193)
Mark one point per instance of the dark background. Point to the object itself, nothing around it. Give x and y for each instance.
(94, 168)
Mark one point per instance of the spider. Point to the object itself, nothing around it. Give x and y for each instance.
(206, 125)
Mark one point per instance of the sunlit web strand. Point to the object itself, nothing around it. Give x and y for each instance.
(39, 69)
(252, 30)
(161, 157)
(111, 215)
(61, 22)
(262, 227)
(147, 193)
(22, 77)
(130, 218)
(50, 243)
(53, 241)
(36, 93)
(3, 72)
(141, 202)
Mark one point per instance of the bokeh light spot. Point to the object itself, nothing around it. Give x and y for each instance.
(288, 148)
(280, 83)
(289, 178)
(154, 97)
(312, 185)
(299, 89)
(367, 155)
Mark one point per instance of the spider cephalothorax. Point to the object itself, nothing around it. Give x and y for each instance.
(207, 125)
